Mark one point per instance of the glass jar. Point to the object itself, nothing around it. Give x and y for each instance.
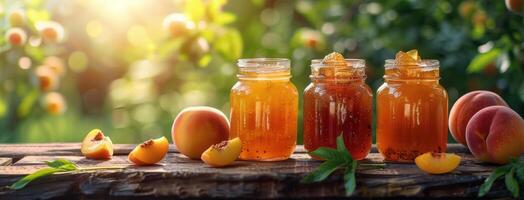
(264, 107)
(338, 101)
(412, 111)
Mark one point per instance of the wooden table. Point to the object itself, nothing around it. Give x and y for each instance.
(178, 176)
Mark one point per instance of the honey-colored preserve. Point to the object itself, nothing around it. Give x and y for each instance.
(338, 101)
(264, 107)
(412, 109)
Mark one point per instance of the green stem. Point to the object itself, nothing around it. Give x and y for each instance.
(97, 168)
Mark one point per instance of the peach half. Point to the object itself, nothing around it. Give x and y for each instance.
(150, 152)
(465, 107)
(223, 153)
(97, 146)
(496, 134)
(197, 128)
(437, 163)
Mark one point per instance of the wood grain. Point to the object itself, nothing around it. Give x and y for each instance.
(179, 177)
(5, 161)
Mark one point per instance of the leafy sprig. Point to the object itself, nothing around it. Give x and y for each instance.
(56, 166)
(513, 178)
(335, 159)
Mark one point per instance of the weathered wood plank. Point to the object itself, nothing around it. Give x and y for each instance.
(5, 161)
(73, 149)
(248, 179)
(18, 151)
(178, 176)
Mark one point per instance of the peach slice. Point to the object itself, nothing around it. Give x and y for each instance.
(437, 163)
(149, 152)
(97, 146)
(223, 153)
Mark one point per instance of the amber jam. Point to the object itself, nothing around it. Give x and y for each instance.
(412, 110)
(338, 101)
(264, 106)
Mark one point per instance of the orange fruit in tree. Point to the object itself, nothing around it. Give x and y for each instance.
(467, 8)
(54, 103)
(516, 6)
(16, 36)
(177, 24)
(56, 64)
(50, 31)
(437, 163)
(312, 39)
(16, 18)
(45, 78)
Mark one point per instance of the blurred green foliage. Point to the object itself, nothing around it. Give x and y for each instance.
(133, 65)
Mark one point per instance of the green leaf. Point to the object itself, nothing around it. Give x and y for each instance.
(225, 18)
(327, 153)
(482, 60)
(229, 44)
(195, 10)
(3, 107)
(519, 172)
(323, 171)
(511, 183)
(62, 164)
(169, 47)
(27, 103)
(204, 60)
(349, 178)
(38, 174)
(57, 163)
(341, 147)
(498, 172)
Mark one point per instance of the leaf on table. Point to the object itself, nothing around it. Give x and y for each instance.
(519, 172)
(498, 172)
(349, 178)
(341, 147)
(62, 164)
(326, 153)
(323, 171)
(38, 174)
(511, 183)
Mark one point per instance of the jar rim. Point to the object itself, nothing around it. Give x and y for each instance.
(425, 63)
(354, 63)
(263, 62)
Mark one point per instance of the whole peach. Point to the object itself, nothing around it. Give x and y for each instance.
(195, 129)
(465, 107)
(496, 134)
(515, 5)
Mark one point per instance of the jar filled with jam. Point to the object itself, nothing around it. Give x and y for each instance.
(338, 101)
(264, 107)
(412, 109)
